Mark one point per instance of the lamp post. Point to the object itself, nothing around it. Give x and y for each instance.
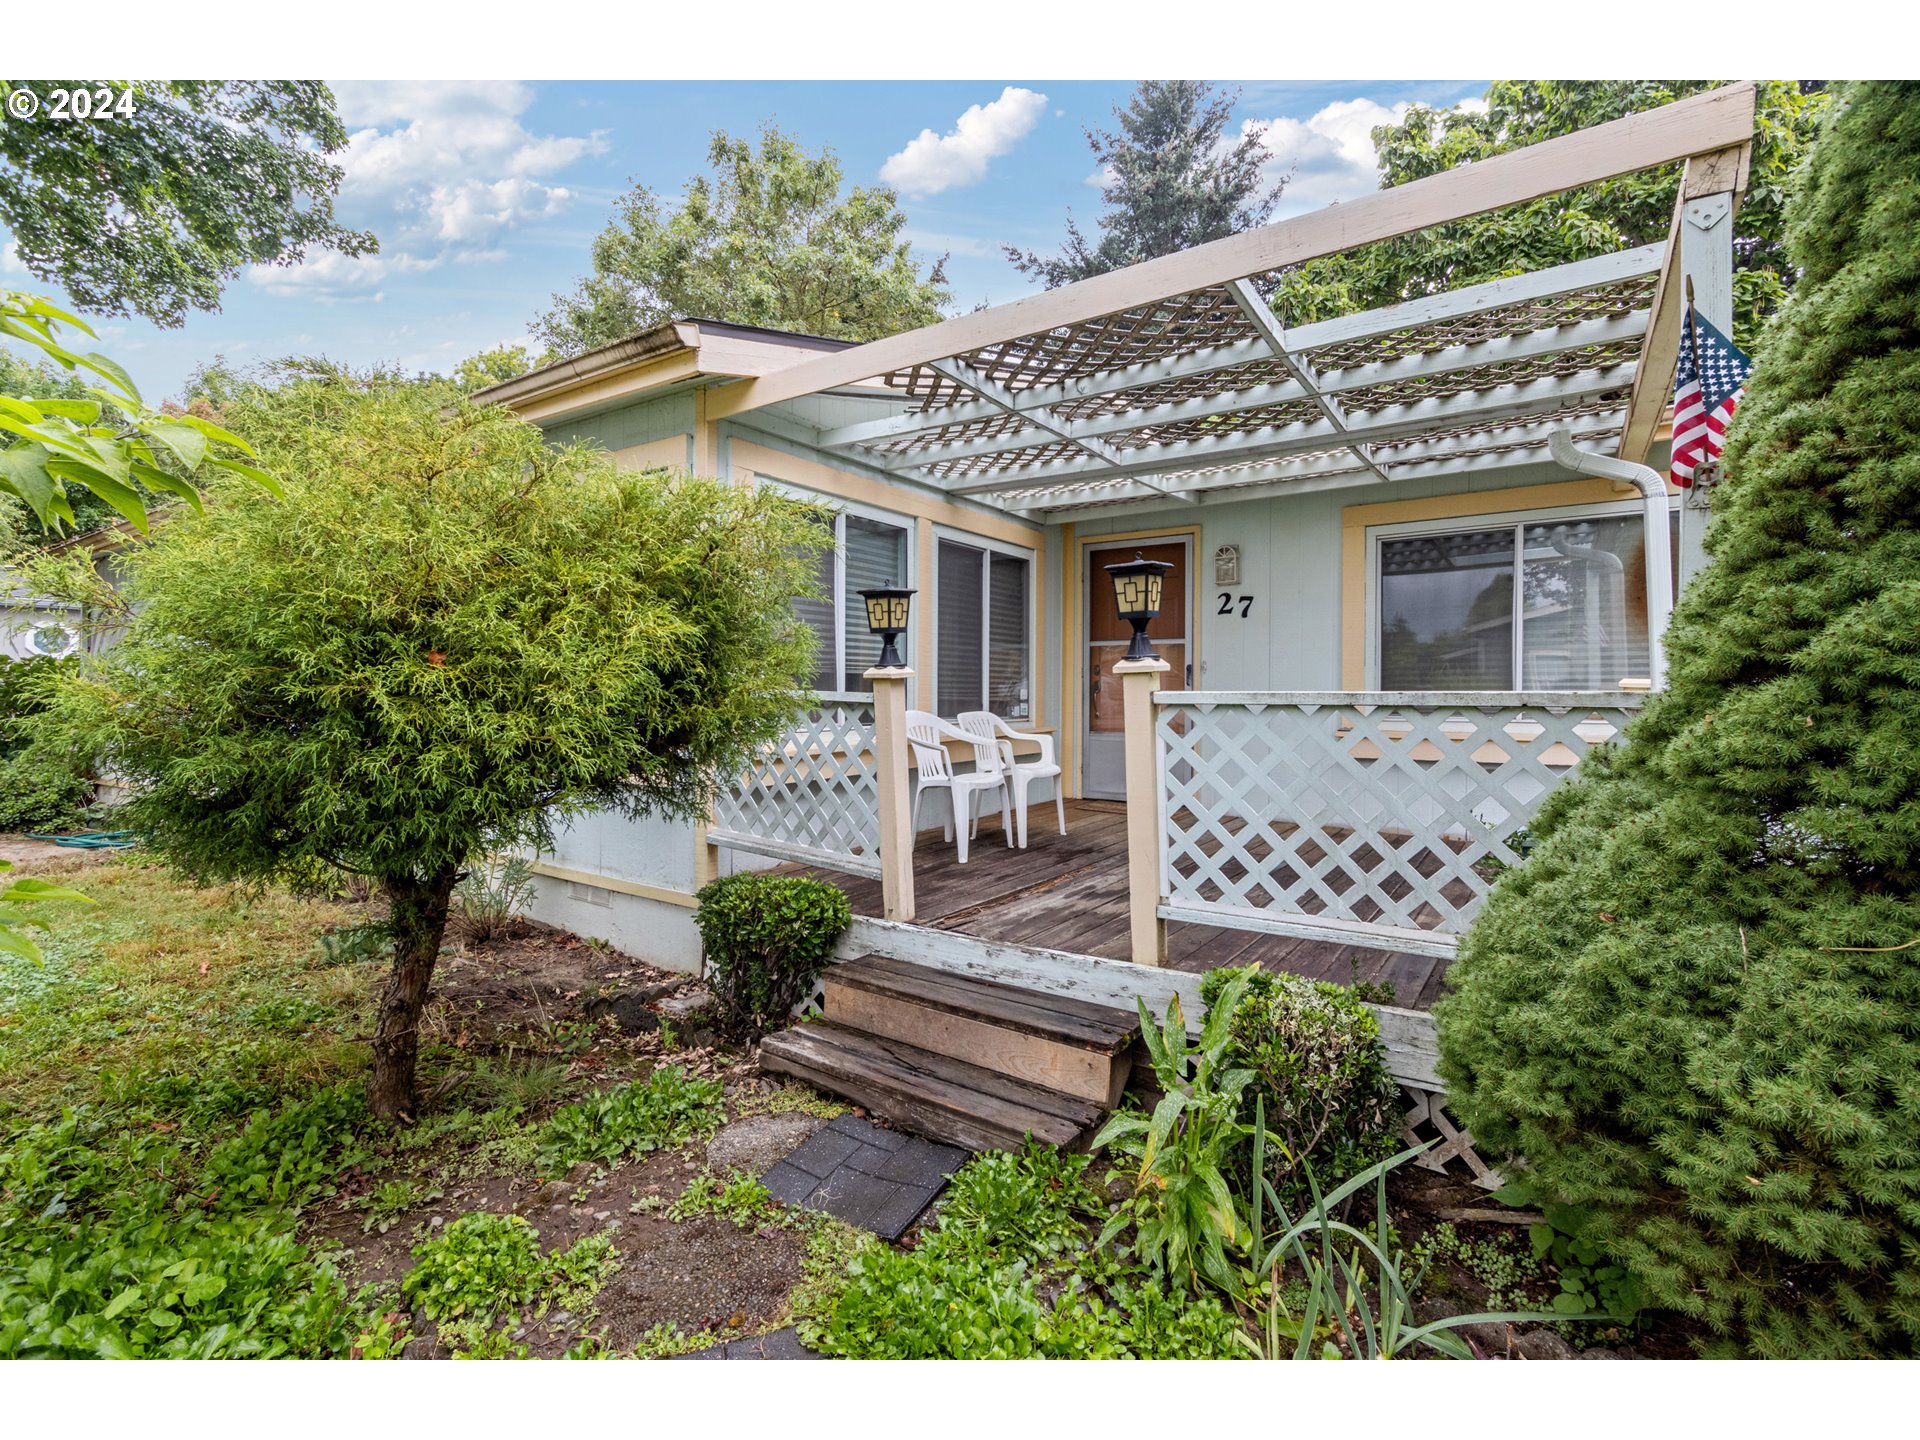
(887, 611)
(887, 608)
(1137, 586)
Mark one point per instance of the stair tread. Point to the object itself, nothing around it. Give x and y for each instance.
(996, 1103)
(1070, 1022)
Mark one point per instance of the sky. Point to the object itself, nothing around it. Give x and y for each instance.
(486, 195)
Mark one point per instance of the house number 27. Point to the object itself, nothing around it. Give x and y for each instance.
(1227, 602)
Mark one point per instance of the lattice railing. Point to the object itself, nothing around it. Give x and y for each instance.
(811, 795)
(1376, 818)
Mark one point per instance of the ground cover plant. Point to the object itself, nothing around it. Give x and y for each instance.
(1693, 1009)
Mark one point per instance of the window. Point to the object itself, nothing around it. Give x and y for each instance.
(1449, 620)
(867, 553)
(983, 608)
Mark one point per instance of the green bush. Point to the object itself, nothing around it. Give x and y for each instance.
(671, 1108)
(767, 938)
(1314, 1050)
(1011, 1228)
(38, 790)
(1695, 1010)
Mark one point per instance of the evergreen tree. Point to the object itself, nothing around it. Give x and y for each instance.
(1173, 182)
(1695, 1010)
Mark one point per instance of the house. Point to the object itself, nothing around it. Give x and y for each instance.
(1419, 565)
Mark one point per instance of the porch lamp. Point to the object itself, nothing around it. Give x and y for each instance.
(887, 617)
(1136, 588)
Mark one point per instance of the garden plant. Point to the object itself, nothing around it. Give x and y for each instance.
(1692, 1009)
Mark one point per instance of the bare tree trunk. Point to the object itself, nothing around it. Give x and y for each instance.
(418, 917)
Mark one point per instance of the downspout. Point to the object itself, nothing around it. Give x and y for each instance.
(1653, 495)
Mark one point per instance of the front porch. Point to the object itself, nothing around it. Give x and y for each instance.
(1069, 893)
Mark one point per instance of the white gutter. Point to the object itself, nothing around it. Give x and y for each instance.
(1653, 494)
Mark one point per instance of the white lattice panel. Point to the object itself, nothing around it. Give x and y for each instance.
(1379, 813)
(1427, 1111)
(811, 795)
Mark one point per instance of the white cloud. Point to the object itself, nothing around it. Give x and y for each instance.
(10, 259)
(932, 163)
(1330, 154)
(330, 275)
(453, 157)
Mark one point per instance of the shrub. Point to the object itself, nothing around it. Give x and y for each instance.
(671, 1108)
(37, 793)
(767, 938)
(488, 901)
(1693, 1010)
(1314, 1050)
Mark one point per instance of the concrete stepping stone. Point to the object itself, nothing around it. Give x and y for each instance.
(879, 1180)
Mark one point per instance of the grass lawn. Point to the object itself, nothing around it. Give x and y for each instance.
(189, 1169)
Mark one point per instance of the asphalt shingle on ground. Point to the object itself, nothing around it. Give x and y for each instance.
(879, 1180)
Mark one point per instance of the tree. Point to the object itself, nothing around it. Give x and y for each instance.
(768, 239)
(1595, 220)
(492, 367)
(1695, 1009)
(150, 213)
(505, 635)
(1173, 182)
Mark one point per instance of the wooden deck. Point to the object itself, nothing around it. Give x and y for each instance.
(1069, 892)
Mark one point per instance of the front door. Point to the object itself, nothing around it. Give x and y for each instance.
(1103, 773)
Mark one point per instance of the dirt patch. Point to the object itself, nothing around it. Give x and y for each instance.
(702, 1274)
(43, 857)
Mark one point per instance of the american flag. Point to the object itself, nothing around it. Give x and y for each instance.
(1705, 395)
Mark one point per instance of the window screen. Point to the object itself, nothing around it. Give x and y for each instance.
(960, 626)
(1446, 611)
(1007, 648)
(816, 613)
(876, 555)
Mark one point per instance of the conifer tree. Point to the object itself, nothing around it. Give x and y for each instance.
(1695, 1010)
(1174, 181)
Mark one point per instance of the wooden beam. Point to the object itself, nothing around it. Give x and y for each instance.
(1699, 124)
(1716, 173)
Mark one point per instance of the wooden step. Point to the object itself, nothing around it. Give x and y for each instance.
(1066, 1045)
(932, 1095)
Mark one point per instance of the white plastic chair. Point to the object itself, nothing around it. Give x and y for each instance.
(925, 734)
(984, 724)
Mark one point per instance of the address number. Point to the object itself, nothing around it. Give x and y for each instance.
(1228, 602)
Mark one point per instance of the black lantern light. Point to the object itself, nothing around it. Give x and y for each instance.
(887, 617)
(1136, 588)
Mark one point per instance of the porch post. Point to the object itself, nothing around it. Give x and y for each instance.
(890, 762)
(1139, 679)
(1706, 261)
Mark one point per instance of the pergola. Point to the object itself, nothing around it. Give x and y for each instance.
(1173, 381)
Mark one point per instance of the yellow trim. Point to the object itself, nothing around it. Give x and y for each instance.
(923, 622)
(617, 885)
(775, 465)
(1069, 640)
(706, 437)
(1356, 520)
